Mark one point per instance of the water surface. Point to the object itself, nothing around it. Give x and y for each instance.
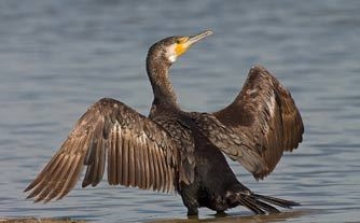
(58, 57)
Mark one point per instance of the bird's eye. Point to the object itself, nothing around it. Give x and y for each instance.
(181, 40)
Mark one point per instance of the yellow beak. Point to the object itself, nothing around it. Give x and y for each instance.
(188, 41)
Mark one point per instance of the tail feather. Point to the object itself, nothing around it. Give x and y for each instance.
(277, 201)
(261, 204)
(264, 206)
(250, 205)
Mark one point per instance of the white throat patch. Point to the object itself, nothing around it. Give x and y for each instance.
(172, 58)
(171, 53)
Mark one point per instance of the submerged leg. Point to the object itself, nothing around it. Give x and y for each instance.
(192, 212)
(191, 203)
(221, 213)
(189, 195)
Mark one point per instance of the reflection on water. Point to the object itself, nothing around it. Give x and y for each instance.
(58, 57)
(280, 217)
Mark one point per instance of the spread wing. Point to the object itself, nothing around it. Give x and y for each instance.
(258, 126)
(138, 152)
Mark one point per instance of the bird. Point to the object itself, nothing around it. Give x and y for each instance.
(172, 150)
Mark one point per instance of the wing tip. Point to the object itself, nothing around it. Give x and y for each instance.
(28, 188)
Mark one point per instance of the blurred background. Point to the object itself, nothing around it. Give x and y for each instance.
(59, 57)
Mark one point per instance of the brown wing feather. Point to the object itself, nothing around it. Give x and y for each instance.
(264, 113)
(237, 145)
(138, 151)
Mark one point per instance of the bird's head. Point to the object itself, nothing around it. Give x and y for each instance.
(171, 48)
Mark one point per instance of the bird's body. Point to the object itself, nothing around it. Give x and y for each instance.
(176, 150)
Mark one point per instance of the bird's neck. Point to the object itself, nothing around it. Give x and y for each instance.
(163, 90)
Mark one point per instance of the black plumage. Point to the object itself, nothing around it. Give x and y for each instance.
(176, 150)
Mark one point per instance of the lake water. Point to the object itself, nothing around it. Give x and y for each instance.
(58, 57)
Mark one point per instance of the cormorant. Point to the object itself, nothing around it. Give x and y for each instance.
(176, 150)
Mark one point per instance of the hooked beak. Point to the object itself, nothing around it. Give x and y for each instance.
(188, 41)
(198, 37)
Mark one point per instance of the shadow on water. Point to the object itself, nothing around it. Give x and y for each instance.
(279, 217)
